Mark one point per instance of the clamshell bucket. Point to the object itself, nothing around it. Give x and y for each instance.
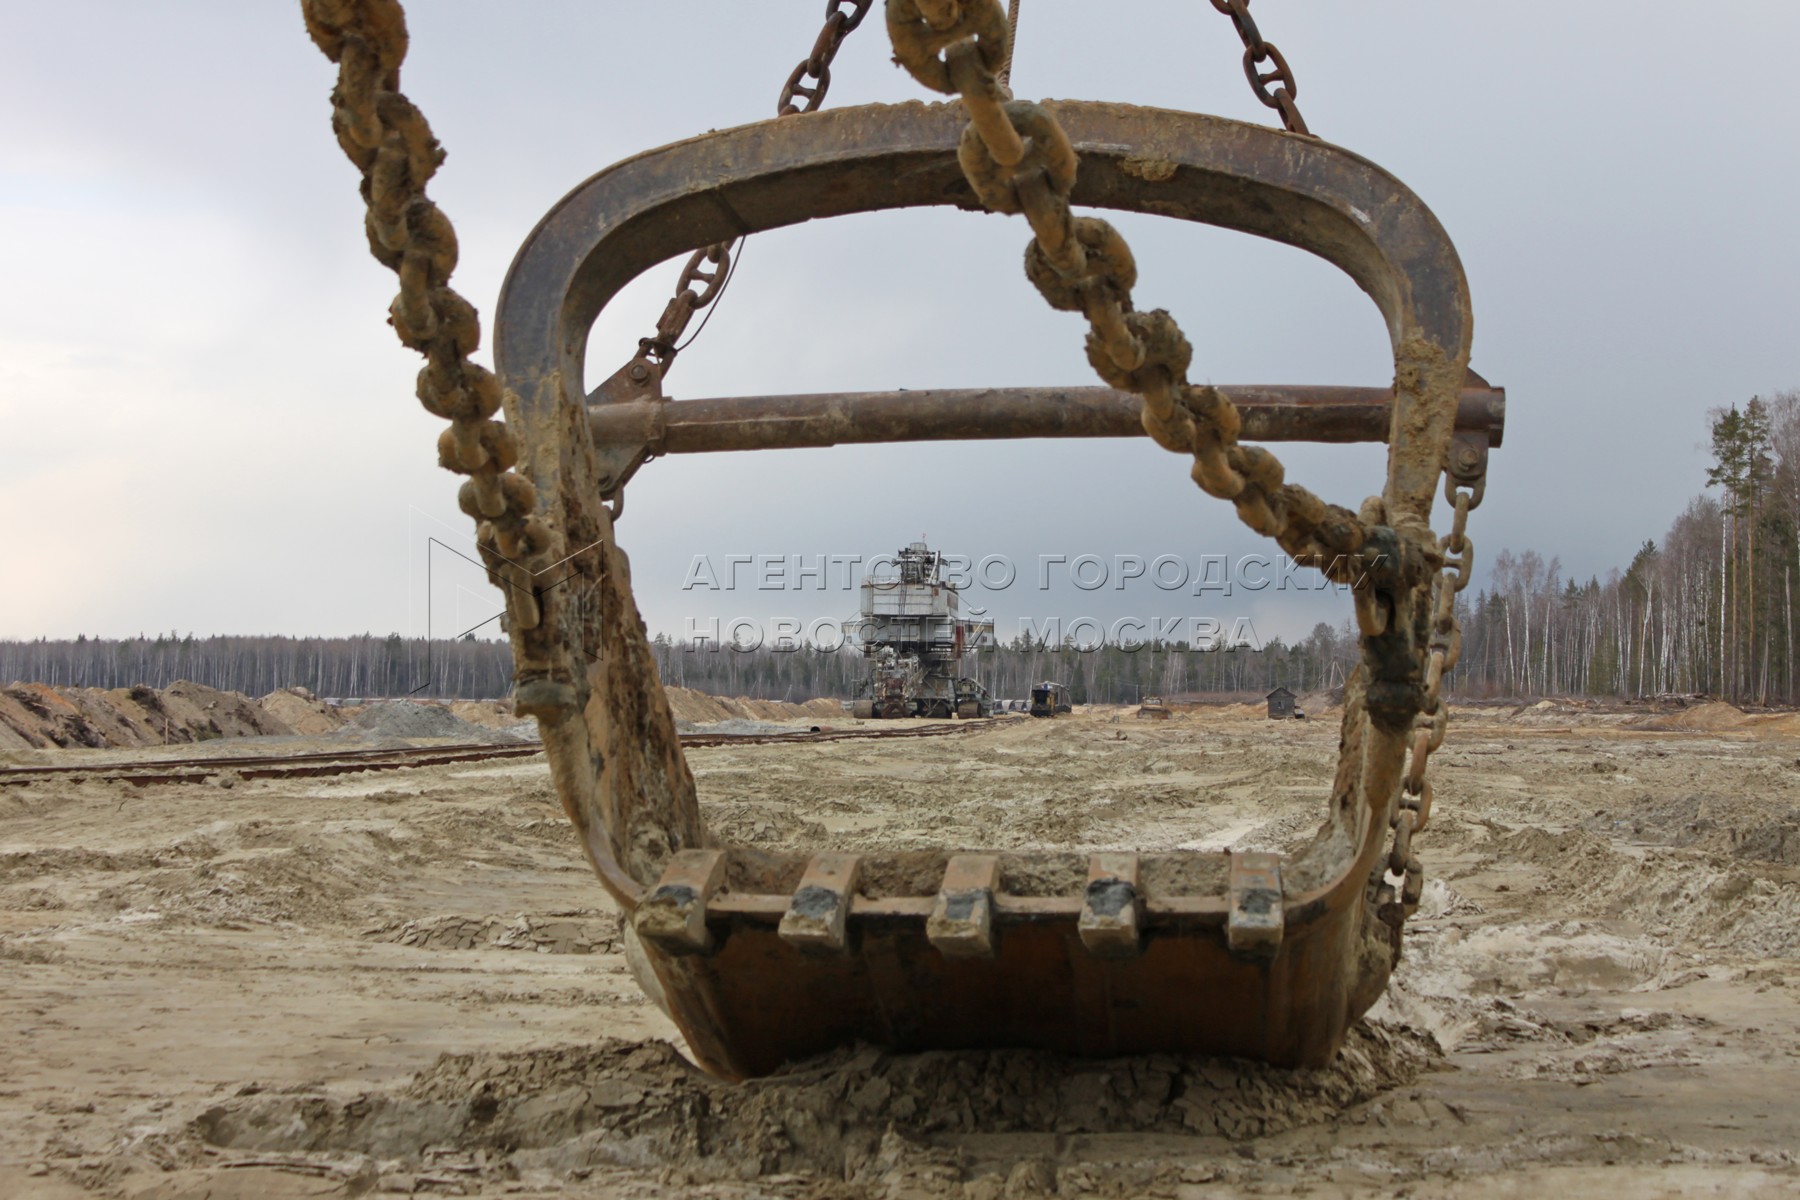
(763, 957)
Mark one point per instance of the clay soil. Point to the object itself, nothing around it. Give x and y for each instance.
(348, 986)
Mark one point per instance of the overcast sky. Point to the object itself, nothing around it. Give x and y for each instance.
(208, 426)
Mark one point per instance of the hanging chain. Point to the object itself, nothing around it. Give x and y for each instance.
(1018, 159)
(839, 24)
(389, 141)
(687, 301)
(1275, 87)
(1412, 812)
(797, 96)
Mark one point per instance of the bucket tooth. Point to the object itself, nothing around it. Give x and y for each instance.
(1253, 924)
(673, 915)
(819, 912)
(1109, 911)
(961, 924)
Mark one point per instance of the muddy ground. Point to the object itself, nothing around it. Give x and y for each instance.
(410, 982)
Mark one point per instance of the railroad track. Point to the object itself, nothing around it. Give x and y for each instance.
(349, 762)
(826, 733)
(269, 766)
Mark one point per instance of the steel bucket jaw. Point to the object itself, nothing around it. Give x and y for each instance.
(764, 957)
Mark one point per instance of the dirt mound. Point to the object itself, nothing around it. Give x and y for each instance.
(44, 717)
(36, 716)
(495, 714)
(578, 931)
(1758, 829)
(1692, 899)
(858, 1114)
(699, 708)
(232, 714)
(242, 876)
(1711, 716)
(410, 719)
(18, 724)
(1224, 712)
(302, 712)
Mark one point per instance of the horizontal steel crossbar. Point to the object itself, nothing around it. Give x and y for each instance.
(1270, 414)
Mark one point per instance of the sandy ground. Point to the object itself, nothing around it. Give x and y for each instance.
(345, 986)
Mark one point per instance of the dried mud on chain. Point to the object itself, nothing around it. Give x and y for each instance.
(348, 986)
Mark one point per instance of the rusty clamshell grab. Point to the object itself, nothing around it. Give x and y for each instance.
(763, 957)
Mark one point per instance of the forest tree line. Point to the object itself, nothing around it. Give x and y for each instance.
(369, 666)
(1709, 609)
(340, 668)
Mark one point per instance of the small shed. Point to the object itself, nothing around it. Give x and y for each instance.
(1281, 704)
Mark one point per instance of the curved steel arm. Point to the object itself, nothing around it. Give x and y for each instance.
(1300, 191)
(607, 725)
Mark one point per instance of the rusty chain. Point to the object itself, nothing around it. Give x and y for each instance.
(663, 347)
(389, 141)
(839, 24)
(797, 96)
(1412, 807)
(1281, 96)
(1019, 160)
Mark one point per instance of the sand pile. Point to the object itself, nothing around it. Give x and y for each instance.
(411, 719)
(76, 717)
(579, 931)
(495, 714)
(1222, 712)
(37, 716)
(237, 877)
(1711, 716)
(698, 708)
(859, 1114)
(1758, 828)
(233, 714)
(1689, 902)
(15, 721)
(302, 711)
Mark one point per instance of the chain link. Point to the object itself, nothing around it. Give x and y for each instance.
(839, 23)
(389, 141)
(662, 348)
(1018, 159)
(1282, 94)
(797, 96)
(1412, 811)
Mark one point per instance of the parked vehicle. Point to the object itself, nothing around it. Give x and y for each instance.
(1050, 699)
